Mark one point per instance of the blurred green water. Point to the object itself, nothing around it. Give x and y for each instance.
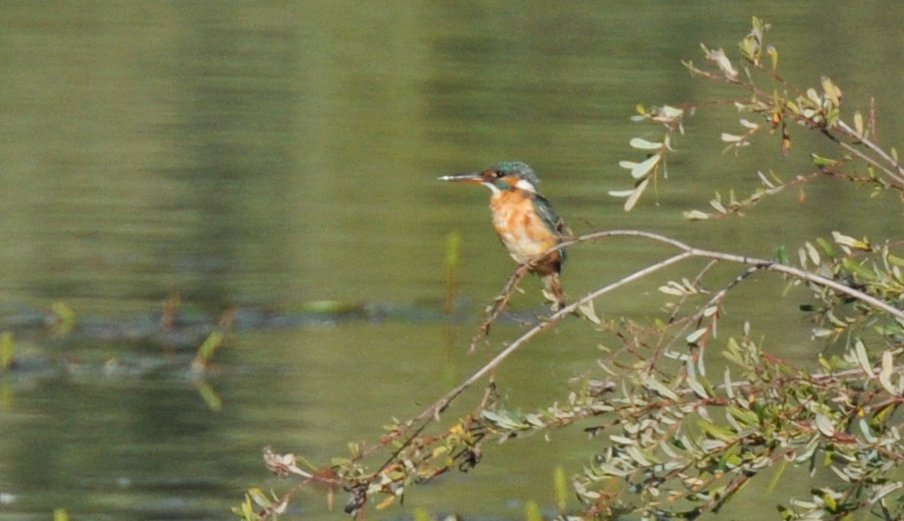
(284, 152)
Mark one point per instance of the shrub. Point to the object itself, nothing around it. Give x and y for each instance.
(672, 439)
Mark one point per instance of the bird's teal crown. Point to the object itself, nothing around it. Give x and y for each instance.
(518, 169)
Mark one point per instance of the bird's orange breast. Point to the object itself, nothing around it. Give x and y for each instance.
(522, 231)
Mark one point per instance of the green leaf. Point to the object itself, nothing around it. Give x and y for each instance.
(697, 387)
(208, 348)
(658, 387)
(695, 215)
(693, 337)
(716, 432)
(643, 144)
(781, 255)
(587, 311)
(823, 161)
(826, 246)
(646, 166)
(854, 267)
(532, 511)
(635, 195)
(845, 240)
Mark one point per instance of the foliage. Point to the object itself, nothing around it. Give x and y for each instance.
(674, 440)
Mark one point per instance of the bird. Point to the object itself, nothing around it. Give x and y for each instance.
(525, 221)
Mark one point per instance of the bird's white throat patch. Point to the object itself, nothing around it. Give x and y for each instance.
(526, 185)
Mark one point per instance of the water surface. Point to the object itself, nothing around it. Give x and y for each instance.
(264, 155)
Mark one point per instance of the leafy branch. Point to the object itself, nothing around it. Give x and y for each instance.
(772, 106)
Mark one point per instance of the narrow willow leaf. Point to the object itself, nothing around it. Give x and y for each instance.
(841, 474)
(635, 196)
(832, 92)
(821, 332)
(731, 138)
(210, 346)
(611, 470)
(734, 424)
(722, 61)
(258, 496)
(886, 372)
(844, 240)
(620, 193)
(671, 112)
(638, 456)
(747, 417)
(812, 253)
(858, 122)
(658, 387)
(858, 269)
(826, 246)
(629, 165)
(781, 255)
(643, 144)
(646, 166)
(823, 161)
(695, 215)
(792, 107)
(718, 206)
(535, 420)
(837, 322)
(729, 389)
(693, 337)
(532, 511)
(825, 426)
(867, 432)
(587, 311)
(697, 387)
(621, 440)
(765, 181)
(814, 96)
(672, 288)
(884, 490)
(863, 359)
(716, 432)
(667, 450)
(562, 490)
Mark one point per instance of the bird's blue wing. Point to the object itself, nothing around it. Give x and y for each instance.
(551, 219)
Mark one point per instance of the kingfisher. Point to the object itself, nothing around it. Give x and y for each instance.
(524, 220)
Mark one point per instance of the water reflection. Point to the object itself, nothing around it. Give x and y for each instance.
(271, 154)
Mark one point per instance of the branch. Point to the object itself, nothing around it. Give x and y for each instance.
(770, 265)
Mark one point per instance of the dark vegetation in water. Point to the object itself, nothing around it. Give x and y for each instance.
(178, 336)
(673, 439)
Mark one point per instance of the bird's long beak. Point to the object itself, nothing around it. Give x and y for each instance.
(463, 178)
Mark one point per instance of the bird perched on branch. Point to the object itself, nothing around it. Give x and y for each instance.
(525, 221)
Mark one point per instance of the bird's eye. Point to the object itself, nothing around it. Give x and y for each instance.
(499, 174)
